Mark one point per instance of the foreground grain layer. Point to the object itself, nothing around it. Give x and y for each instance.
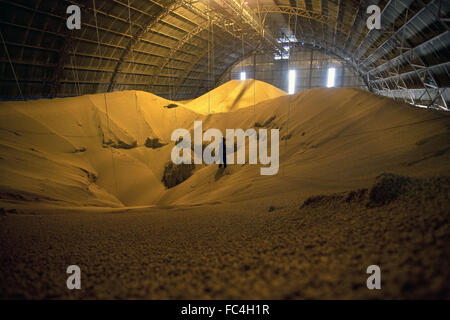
(319, 248)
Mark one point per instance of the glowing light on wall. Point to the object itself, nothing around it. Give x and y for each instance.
(292, 76)
(331, 77)
(243, 76)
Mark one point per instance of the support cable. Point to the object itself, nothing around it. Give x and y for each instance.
(291, 51)
(133, 75)
(243, 53)
(130, 30)
(213, 57)
(254, 82)
(75, 72)
(209, 57)
(98, 35)
(110, 149)
(12, 66)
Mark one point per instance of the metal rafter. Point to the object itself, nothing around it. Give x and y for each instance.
(413, 21)
(435, 42)
(139, 35)
(395, 9)
(193, 66)
(337, 21)
(409, 59)
(234, 23)
(197, 30)
(303, 13)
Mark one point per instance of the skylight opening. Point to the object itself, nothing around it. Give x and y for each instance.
(331, 77)
(292, 76)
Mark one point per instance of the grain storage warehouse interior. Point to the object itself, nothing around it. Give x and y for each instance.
(346, 165)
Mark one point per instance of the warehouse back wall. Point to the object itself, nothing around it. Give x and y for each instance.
(311, 67)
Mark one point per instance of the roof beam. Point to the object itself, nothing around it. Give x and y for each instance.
(417, 17)
(303, 13)
(445, 65)
(194, 65)
(373, 35)
(337, 21)
(358, 14)
(431, 43)
(137, 37)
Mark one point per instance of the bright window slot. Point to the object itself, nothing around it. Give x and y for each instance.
(331, 77)
(292, 76)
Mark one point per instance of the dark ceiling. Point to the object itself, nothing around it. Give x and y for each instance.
(172, 47)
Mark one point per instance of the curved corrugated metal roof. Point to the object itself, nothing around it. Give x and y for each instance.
(166, 47)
